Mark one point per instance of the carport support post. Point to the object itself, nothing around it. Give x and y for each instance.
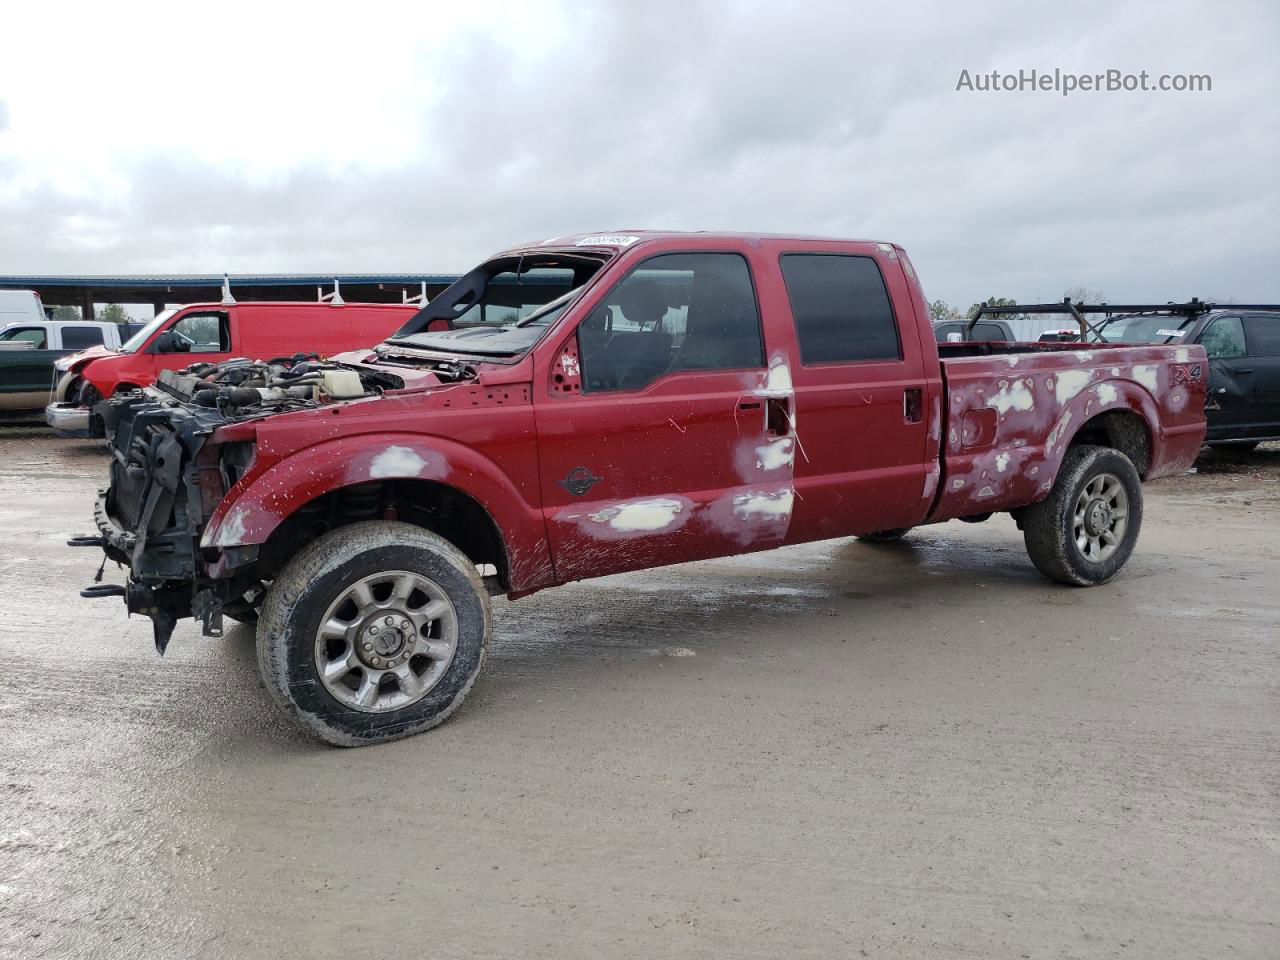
(86, 305)
(157, 309)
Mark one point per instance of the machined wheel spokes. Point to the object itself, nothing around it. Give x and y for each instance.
(1101, 517)
(386, 641)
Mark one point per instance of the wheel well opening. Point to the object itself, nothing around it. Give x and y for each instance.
(440, 508)
(1121, 430)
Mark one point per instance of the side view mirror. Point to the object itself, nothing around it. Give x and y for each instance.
(170, 342)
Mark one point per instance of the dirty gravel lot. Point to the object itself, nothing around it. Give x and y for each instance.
(837, 750)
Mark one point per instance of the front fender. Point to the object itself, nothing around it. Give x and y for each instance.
(260, 502)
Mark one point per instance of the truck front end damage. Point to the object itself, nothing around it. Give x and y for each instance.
(176, 449)
(166, 477)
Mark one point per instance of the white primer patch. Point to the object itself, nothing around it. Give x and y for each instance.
(1071, 382)
(777, 454)
(773, 504)
(957, 483)
(1106, 393)
(640, 515)
(1002, 462)
(397, 461)
(232, 532)
(1146, 374)
(1013, 396)
(1182, 355)
(778, 378)
(1084, 356)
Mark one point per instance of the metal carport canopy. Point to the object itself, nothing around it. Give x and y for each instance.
(159, 289)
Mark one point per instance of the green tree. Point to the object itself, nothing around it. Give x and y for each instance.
(66, 313)
(114, 313)
(940, 310)
(991, 302)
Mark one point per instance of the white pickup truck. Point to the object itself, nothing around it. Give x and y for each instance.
(30, 347)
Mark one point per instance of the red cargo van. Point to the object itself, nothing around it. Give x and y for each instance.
(211, 332)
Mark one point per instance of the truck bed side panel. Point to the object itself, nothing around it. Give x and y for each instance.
(1011, 414)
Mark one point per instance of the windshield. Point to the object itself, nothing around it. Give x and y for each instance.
(1146, 328)
(503, 291)
(134, 343)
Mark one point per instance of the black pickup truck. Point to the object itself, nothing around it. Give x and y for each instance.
(1242, 406)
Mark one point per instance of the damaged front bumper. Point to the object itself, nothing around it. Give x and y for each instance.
(68, 420)
(150, 518)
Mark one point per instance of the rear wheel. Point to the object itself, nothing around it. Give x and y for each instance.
(884, 536)
(374, 632)
(1085, 530)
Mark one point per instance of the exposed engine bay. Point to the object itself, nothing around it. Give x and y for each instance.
(241, 386)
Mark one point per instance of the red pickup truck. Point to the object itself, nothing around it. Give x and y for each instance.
(209, 332)
(594, 404)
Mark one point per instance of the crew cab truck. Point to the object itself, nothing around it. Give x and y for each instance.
(30, 350)
(209, 332)
(595, 404)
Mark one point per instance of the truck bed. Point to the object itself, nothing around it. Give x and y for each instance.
(1009, 410)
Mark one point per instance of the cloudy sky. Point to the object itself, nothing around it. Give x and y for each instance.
(369, 136)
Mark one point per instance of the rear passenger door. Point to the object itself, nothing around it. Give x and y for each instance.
(1262, 336)
(859, 419)
(1229, 404)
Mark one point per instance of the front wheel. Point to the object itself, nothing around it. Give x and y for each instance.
(373, 632)
(1084, 531)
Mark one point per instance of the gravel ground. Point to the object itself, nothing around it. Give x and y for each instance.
(836, 750)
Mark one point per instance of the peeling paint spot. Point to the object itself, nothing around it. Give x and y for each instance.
(1147, 375)
(1002, 462)
(1070, 383)
(1084, 356)
(777, 454)
(1106, 393)
(397, 461)
(776, 503)
(232, 531)
(640, 515)
(957, 483)
(1013, 359)
(1182, 355)
(986, 492)
(1015, 396)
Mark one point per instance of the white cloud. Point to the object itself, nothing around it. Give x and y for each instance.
(422, 137)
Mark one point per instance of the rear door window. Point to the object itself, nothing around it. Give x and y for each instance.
(77, 338)
(1263, 336)
(841, 308)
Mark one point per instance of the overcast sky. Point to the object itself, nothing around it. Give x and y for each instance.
(368, 137)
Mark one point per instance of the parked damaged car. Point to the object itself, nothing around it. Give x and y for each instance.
(596, 404)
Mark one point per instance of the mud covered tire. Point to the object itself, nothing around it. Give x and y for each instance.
(885, 536)
(320, 574)
(1049, 525)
